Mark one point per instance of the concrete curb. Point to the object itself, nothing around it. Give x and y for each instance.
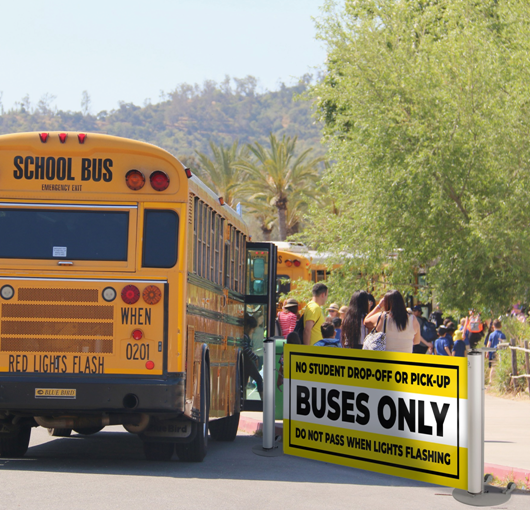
(519, 476)
(252, 426)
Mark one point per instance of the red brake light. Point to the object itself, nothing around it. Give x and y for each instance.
(130, 294)
(288, 263)
(135, 179)
(159, 180)
(44, 137)
(149, 365)
(63, 137)
(188, 172)
(296, 263)
(81, 137)
(137, 334)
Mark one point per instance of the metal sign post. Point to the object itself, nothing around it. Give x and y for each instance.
(269, 449)
(479, 492)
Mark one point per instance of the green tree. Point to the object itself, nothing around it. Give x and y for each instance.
(276, 173)
(426, 112)
(221, 172)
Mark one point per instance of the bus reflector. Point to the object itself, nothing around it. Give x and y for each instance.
(7, 292)
(109, 294)
(151, 295)
(44, 137)
(296, 263)
(137, 334)
(81, 137)
(63, 137)
(130, 294)
(149, 365)
(135, 179)
(159, 180)
(188, 172)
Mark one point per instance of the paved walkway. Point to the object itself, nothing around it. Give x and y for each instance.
(507, 436)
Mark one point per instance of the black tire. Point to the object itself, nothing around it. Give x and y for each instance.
(15, 445)
(225, 429)
(87, 431)
(195, 451)
(159, 451)
(60, 432)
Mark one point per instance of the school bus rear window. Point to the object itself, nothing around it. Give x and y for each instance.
(160, 238)
(63, 234)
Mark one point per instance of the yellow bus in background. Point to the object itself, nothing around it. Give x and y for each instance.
(296, 262)
(124, 282)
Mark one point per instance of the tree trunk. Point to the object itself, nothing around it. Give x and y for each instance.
(266, 233)
(282, 220)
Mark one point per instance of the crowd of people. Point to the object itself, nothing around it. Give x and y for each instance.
(406, 329)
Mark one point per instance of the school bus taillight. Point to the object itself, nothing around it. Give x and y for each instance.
(135, 180)
(130, 294)
(152, 295)
(137, 334)
(159, 180)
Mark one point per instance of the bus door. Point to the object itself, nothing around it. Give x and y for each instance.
(260, 318)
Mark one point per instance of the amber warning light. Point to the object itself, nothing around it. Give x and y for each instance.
(135, 180)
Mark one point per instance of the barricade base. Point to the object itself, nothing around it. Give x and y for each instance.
(490, 496)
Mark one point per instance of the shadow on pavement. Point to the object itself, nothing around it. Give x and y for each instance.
(122, 454)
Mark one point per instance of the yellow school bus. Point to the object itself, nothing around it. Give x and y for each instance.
(296, 262)
(123, 284)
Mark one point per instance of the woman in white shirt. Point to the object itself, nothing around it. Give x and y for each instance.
(402, 329)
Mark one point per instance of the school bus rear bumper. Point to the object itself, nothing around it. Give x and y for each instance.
(30, 394)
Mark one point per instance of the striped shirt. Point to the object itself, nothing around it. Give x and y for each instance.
(287, 322)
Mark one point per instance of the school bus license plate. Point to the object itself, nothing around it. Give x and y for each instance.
(55, 393)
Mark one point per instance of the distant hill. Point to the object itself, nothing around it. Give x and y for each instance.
(189, 118)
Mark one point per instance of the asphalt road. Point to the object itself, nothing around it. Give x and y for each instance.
(108, 471)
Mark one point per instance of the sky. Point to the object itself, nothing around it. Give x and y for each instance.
(134, 51)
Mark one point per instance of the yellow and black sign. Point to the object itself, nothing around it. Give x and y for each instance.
(400, 414)
(55, 393)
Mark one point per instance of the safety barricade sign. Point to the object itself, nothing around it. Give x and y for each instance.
(394, 413)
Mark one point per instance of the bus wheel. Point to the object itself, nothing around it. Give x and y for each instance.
(158, 451)
(60, 432)
(195, 451)
(225, 429)
(15, 445)
(86, 431)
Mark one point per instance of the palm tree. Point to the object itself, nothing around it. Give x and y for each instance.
(221, 172)
(264, 213)
(276, 174)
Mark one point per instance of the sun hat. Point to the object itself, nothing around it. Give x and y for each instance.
(333, 306)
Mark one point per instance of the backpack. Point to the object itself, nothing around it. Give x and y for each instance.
(475, 324)
(428, 331)
(299, 328)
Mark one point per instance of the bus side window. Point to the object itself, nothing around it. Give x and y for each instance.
(227, 264)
